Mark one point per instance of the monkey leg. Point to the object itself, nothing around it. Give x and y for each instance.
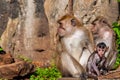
(84, 58)
(111, 59)
(71, 65)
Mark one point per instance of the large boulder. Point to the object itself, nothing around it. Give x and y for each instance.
(27, 30)
(21, 68)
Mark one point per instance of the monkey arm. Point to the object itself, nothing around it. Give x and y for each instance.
(90, 48)
(102, 62)
(59, 48)
(111, 59)
(95, 67)
(92, 43)
(71, 65)
(88, 43)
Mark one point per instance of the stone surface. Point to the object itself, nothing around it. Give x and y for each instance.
(21, 68)
(3, 16)
(6, 59)
(11, 67)
(27, 30)
(69, 79)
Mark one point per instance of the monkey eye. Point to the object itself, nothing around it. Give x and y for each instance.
(104, 21)
(102, 47)
(73, 22)
(60, 24)
(93, 23)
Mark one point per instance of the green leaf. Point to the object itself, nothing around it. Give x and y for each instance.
(50, 73)
(118, 0)
(1, 49)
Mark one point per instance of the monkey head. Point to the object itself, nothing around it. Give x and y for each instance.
(67, 25)
(98, 23)
(101, 48)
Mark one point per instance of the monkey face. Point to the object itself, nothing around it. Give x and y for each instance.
(95, 27)
(61, 29)
(101, 51)
(65, 28)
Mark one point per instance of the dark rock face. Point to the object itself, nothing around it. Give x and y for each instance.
(27, 30)
(6, 59)
(11, 67)
(13, 9)
(20, 68)
(3, 16)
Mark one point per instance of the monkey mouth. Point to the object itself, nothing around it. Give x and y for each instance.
(62, 28)
(61, 31)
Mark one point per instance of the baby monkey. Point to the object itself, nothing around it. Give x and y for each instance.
(96, 61)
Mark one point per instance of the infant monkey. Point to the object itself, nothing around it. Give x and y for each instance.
(96, 61)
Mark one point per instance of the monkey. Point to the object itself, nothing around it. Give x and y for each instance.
(75, 45)
(95, 65)
(102, 32)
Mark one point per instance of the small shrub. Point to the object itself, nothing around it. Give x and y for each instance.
(118, 0)
(51, 73)
(24, 58)
(116, 28)
(1, 49)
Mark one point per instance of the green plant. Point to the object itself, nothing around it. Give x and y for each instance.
(118, 0)
(1, 49)
(24, 58)
(51, 73)
(116, 28)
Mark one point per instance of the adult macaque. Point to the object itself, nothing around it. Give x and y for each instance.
(96, 61)
(75, 45)
(103, 32)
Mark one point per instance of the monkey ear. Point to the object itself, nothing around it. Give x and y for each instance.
(73, 22)
(95, 48)
(107, 48)
(104, 21)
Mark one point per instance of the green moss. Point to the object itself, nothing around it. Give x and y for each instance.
(24, 58)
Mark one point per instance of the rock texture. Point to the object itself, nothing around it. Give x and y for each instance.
(12, 68)
(6, 59)
(3, 16)
(16, 69)
(27, 30)
(31, 24)
(69, 79)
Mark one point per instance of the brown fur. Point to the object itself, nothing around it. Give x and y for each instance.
(70, 26)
